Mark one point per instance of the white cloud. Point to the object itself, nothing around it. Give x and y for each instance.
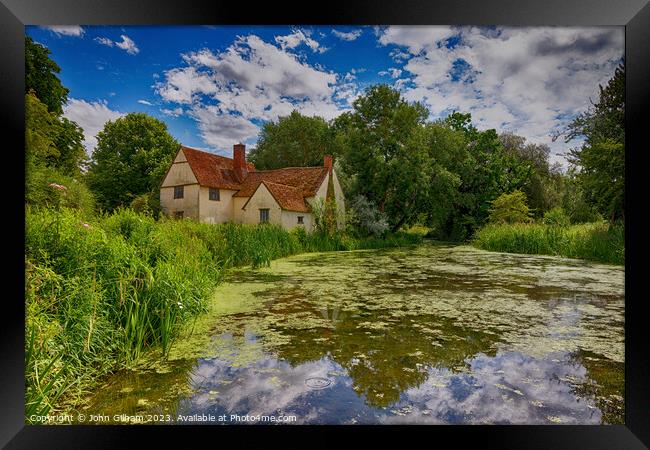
(230, 92)
(297, 38)
(530, 81)
(350, 36)
(394, 73)
(126, 44)
(145, 102)
(91, 116)
(66, 30)
(172, 112)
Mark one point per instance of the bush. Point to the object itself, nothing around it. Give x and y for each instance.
(47, 187)
(556, 216)
(510, 208)
(365, 218)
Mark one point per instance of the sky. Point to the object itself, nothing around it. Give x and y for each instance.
(215, 86)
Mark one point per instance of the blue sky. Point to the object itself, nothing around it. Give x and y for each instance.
(216, 85)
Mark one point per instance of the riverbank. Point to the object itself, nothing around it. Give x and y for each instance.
(100, 293)
(597, 241)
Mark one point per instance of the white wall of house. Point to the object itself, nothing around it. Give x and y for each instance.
(237, 205)
(189, 204)
(180, 174)
(216, 211)
(262, 198)
(290, 220)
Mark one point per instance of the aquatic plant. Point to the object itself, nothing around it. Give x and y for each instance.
(598, 241)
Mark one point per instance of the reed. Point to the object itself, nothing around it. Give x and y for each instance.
(598, 241)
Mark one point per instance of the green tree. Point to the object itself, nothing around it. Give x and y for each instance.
(383, 147)
(40, 77)
(601, 158)
(510, 208)
(132, 155)
(486, 170)
(293, 141)
(541, 183)
(51, 140)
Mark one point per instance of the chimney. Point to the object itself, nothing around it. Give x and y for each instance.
(239, 160)
(327, 162)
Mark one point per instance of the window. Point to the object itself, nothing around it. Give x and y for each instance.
(264, 215)
(214, 194)
(178, 215)
(178, 191)
(301, 219)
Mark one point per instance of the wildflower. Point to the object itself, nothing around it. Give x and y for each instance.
(58, 187)
(180, 305)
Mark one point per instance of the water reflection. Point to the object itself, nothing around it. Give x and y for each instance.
(430, 335)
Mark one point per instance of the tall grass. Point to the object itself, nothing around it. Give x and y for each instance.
(597, 241)
(101, 292)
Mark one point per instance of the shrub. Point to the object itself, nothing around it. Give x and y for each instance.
(556, 216)
(365, 217)
(510, 208)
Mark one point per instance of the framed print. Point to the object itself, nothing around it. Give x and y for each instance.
(413, 215)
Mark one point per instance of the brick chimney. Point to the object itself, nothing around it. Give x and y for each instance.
(239, 160)
(327, 162)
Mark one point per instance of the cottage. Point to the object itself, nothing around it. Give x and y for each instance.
(216, 189)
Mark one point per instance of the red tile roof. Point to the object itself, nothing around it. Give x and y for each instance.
(213, 170)
(289, 186)
(288, 197)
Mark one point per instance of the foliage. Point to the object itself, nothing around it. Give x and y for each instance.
(383, 152)
(293, 141)
(48, 187)
(41, 78)
(510, 208)
(365, 217)
(601, 158)
(325, 213)
(51, 140)
(594, 241)
(543, 183)
(556, 216)
(147, 204)
(573, 200)
(132, 155)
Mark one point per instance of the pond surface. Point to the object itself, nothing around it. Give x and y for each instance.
(434, 334)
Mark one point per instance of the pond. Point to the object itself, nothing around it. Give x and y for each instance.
(434, 334)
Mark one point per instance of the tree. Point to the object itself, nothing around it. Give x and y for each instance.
(132, 155)
(601, 158)
(541, 182)
(486, 170)
(40, 77)
(293, 141)
(510, 208)
(383, 147)
(50, 140)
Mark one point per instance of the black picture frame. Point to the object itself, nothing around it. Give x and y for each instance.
(633, 14)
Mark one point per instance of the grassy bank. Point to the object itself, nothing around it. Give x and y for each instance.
(101, 292)
(593, 241)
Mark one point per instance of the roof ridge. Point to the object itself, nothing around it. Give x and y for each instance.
(292, 167)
